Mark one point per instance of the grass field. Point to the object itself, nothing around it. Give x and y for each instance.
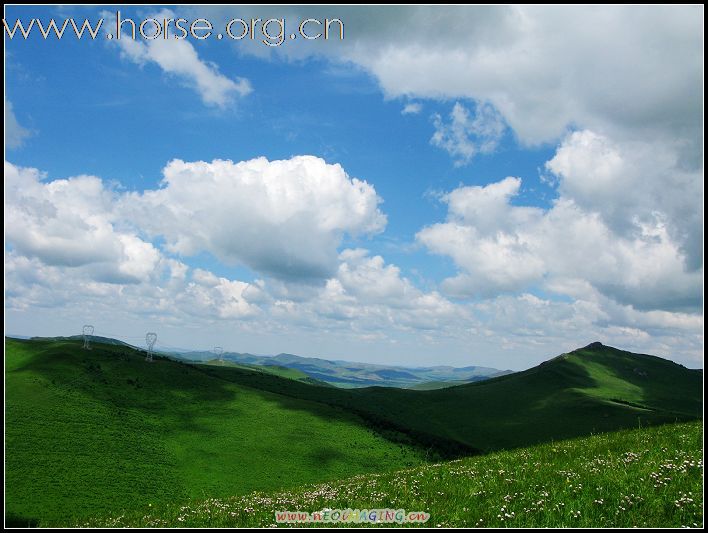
(645, 478)
(96, 431)
(101, 432)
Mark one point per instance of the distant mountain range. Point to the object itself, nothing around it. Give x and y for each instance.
(350, 374)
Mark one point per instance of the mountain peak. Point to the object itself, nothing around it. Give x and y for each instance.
(594, 346)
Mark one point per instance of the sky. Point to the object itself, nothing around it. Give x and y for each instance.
(462, 185)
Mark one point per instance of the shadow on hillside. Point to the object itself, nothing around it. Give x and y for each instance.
(541, 404)
(635, 392)
(121, 378)
(375, 408)
(176, 393)
(326, 456)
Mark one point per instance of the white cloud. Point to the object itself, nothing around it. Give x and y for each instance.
(180, 59)
(633, 185)
(283, 218)
(71, 222)
(545, 68)
(370, 297)
(175, 294)
(412, 108)
(466, 135)
(15, 134)
(391, 321)
(217, 296)
(369, 278)
(525, 323)
(483, 238)
(593, 233)
(365, 299)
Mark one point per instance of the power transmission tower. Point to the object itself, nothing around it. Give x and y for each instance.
(150, 340)
(88, 331)
(219, 351)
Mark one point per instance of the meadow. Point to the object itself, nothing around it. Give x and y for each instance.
(101, 433)
(633, 478)
(97, 431)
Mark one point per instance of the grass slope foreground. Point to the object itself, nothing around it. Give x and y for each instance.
(651, 477)
(92, 432)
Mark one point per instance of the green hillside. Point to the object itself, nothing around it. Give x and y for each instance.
(92, 432)
(97, 431)
(433, 385)
(651, 477)
(594, 389)
(280, 371)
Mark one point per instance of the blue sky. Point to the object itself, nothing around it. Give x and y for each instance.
(449, 261)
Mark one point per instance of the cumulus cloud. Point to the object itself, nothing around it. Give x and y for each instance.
(483, 235)
(15, 134)
(365, 299)
(528, 323)
(466, 134)
(373, 282)
(176, 294)
(545, 68)
(392, 319)
(633, 185)
(71, 222)
(638, 255)
(285, 218)
(180, 59)
(372, 297)
(218, 296)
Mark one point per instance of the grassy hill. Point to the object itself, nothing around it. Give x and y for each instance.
(94, 339)
(276, 370)
(91, 432)
(594, 389)
(97, 431)
(433, 385)
(651, 477)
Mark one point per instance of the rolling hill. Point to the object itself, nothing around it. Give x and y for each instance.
(276, 370)
(593, 389)
(97, 339)
(92, 432)
(96, 431)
